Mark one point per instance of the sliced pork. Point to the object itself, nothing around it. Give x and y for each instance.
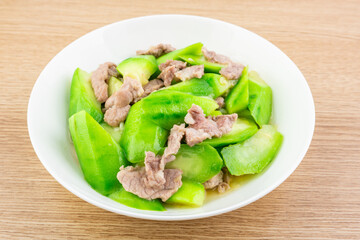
(232, 71)
(168, 70)
(157, 50)
(155, 165)
(117, 106)
(115, 115)
(220, 181)
(194, 136)
(100, 78)
(201, 127)
(188, 73)
(197, 120)
(220, 101)
(132, 179)
(178, 64)
(172, 184)
(214, 181)
(227, 175)
(225, 122)
(213, 57)
(223, 187)
(153, 180)
(150, 87)
(177, 132)
(154, 170)
(167, 75)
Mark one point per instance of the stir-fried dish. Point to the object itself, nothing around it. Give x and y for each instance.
(167, 125)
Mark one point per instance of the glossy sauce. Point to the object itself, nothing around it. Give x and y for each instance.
(235, 183)
(211, 195)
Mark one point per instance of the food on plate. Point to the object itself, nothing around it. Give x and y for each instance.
(238, 98)
(98, 153)
(198, 163)
(260, 99)
(83, 96)
(254, 154)
(163, 127)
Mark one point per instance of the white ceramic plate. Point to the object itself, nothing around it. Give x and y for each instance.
(293, 113)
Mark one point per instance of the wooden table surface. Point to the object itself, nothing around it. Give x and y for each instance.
(320, 200)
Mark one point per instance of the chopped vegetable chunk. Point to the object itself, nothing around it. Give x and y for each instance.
(253, 155)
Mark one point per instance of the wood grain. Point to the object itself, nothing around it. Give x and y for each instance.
(321, 200)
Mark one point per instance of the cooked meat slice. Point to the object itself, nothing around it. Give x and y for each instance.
(168, 70)
(193, 136)
(223, 187)
(172, 184)
(178, 64)
(220, 101)
(227, 175)
(201, 127)
(155, 165)
(177, 132)
(157, 50)
(117, 106)
(133, 86)
(115, 115)
(194, 114)
(132, 179)
(154, 170)
(120, 98)
(150, 87)
(220, 181)
(130, 90)
(153, 180)
(188, 73)
(99, 79)
(214, 181)
(167, 75)
(225, 122)
(197, 120)
(212, 56)
(225, 184)
(232, 71)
